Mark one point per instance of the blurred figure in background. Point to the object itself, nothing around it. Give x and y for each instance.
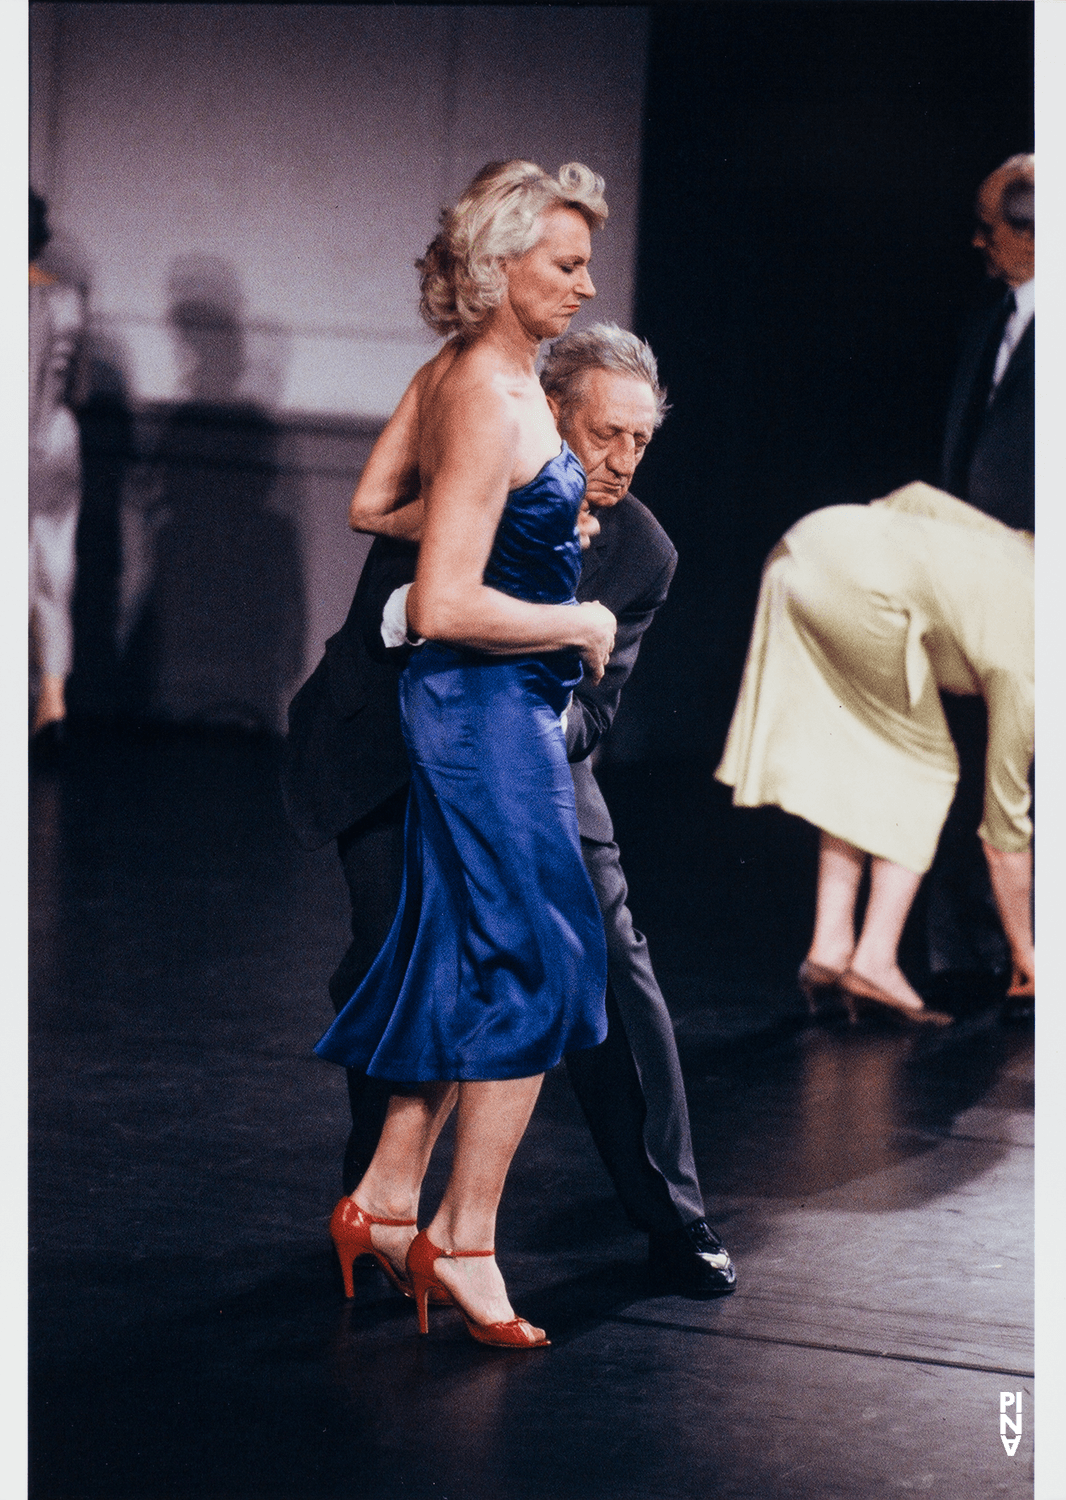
(988, 460)
(55, 326)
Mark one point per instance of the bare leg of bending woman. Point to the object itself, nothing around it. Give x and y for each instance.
(874, 958)
(840, 867)
(892, 893)
(1012, 885)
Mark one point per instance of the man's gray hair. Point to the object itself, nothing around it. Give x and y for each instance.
(1017, 199)
(604, 346)
(1018, 205)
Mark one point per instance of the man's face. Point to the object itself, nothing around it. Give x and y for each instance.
(1008, 252)
(609, 424)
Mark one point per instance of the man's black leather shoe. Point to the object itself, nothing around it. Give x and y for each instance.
(692, 1261)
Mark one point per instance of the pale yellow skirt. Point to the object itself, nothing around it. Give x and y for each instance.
(839, 719)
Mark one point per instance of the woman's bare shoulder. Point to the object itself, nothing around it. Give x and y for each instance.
(468, 396)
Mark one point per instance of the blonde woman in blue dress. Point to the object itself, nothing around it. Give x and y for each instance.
(865, 613)
(496, 963)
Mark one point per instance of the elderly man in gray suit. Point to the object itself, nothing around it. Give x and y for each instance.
(345, 776)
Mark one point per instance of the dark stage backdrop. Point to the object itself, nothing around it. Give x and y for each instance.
(804, 271)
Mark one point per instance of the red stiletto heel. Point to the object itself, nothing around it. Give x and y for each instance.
(350, 1231)
(515, 1334)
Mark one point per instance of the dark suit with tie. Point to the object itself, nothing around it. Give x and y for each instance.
(988, 460)
(345, 775)
(989, 445)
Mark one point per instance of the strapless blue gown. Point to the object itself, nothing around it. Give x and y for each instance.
(495, 964)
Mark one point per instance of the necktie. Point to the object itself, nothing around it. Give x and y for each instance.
(1002, 358)
(980, 394)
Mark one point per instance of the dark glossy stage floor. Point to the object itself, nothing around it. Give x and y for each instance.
(190, 1340)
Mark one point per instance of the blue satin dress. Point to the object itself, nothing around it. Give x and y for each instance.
(495, 964)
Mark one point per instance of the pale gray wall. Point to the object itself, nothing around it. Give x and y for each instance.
(284, 165)
(302, 152)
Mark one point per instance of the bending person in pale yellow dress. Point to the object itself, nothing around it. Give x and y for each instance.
(865, 613)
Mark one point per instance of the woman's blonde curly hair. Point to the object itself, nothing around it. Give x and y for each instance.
(496, 218)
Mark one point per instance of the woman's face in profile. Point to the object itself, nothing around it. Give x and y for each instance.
(546, 286)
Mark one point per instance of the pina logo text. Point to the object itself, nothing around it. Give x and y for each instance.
(1010, 1428)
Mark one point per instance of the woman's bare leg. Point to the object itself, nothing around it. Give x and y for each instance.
(391, 1185)
(840, 867)
(491, 1121)
(892, 893)
(1012, 885)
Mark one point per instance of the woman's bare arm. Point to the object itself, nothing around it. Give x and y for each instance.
(1011, 874)
(387, 501)
(1007, 817)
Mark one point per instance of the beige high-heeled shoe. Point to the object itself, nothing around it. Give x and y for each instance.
(861, 994)
(818, 983)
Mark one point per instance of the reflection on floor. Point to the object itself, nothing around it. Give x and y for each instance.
(190, 1339)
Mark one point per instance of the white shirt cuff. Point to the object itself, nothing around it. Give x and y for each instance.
(394, 619)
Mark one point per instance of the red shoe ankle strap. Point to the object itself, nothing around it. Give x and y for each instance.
(456, 1254)
(375, 1219)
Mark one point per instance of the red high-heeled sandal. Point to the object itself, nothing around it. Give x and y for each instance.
(349, 1229)
(515, 1334)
